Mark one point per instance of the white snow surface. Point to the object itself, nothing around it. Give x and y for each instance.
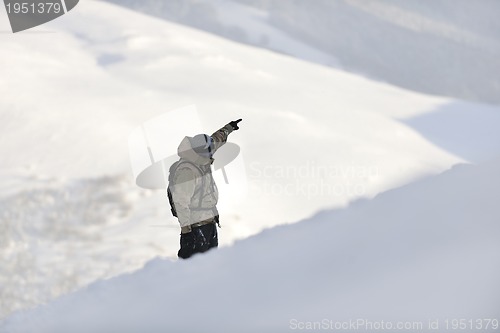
(312, 138)
(424, 252)
(440, 47)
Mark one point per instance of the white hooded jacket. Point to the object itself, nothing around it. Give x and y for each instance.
(193, 188)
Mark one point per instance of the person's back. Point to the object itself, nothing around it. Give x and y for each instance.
(193, 191)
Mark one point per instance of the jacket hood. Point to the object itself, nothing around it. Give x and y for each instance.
(185, 151)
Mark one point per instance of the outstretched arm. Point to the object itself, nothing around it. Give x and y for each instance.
(220, 137)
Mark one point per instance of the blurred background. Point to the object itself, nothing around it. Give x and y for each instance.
(448, 48)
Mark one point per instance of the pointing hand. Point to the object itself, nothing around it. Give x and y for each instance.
(234, 124)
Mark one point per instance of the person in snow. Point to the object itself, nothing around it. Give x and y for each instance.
(193, 193)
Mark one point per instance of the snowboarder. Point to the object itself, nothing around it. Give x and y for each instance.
(193, 193)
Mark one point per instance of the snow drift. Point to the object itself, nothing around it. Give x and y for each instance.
(426, 251)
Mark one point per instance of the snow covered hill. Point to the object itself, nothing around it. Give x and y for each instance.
(422, 253)
(313, 138)
(437, 47)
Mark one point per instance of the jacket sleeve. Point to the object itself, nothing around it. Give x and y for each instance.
(220, 137)
(183, 190)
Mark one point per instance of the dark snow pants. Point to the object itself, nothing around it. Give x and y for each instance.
(199, 240)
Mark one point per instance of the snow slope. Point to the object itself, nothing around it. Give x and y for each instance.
(73, 90)
(424, 252)
(437, 47)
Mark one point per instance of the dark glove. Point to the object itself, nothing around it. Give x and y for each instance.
(234, 124)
